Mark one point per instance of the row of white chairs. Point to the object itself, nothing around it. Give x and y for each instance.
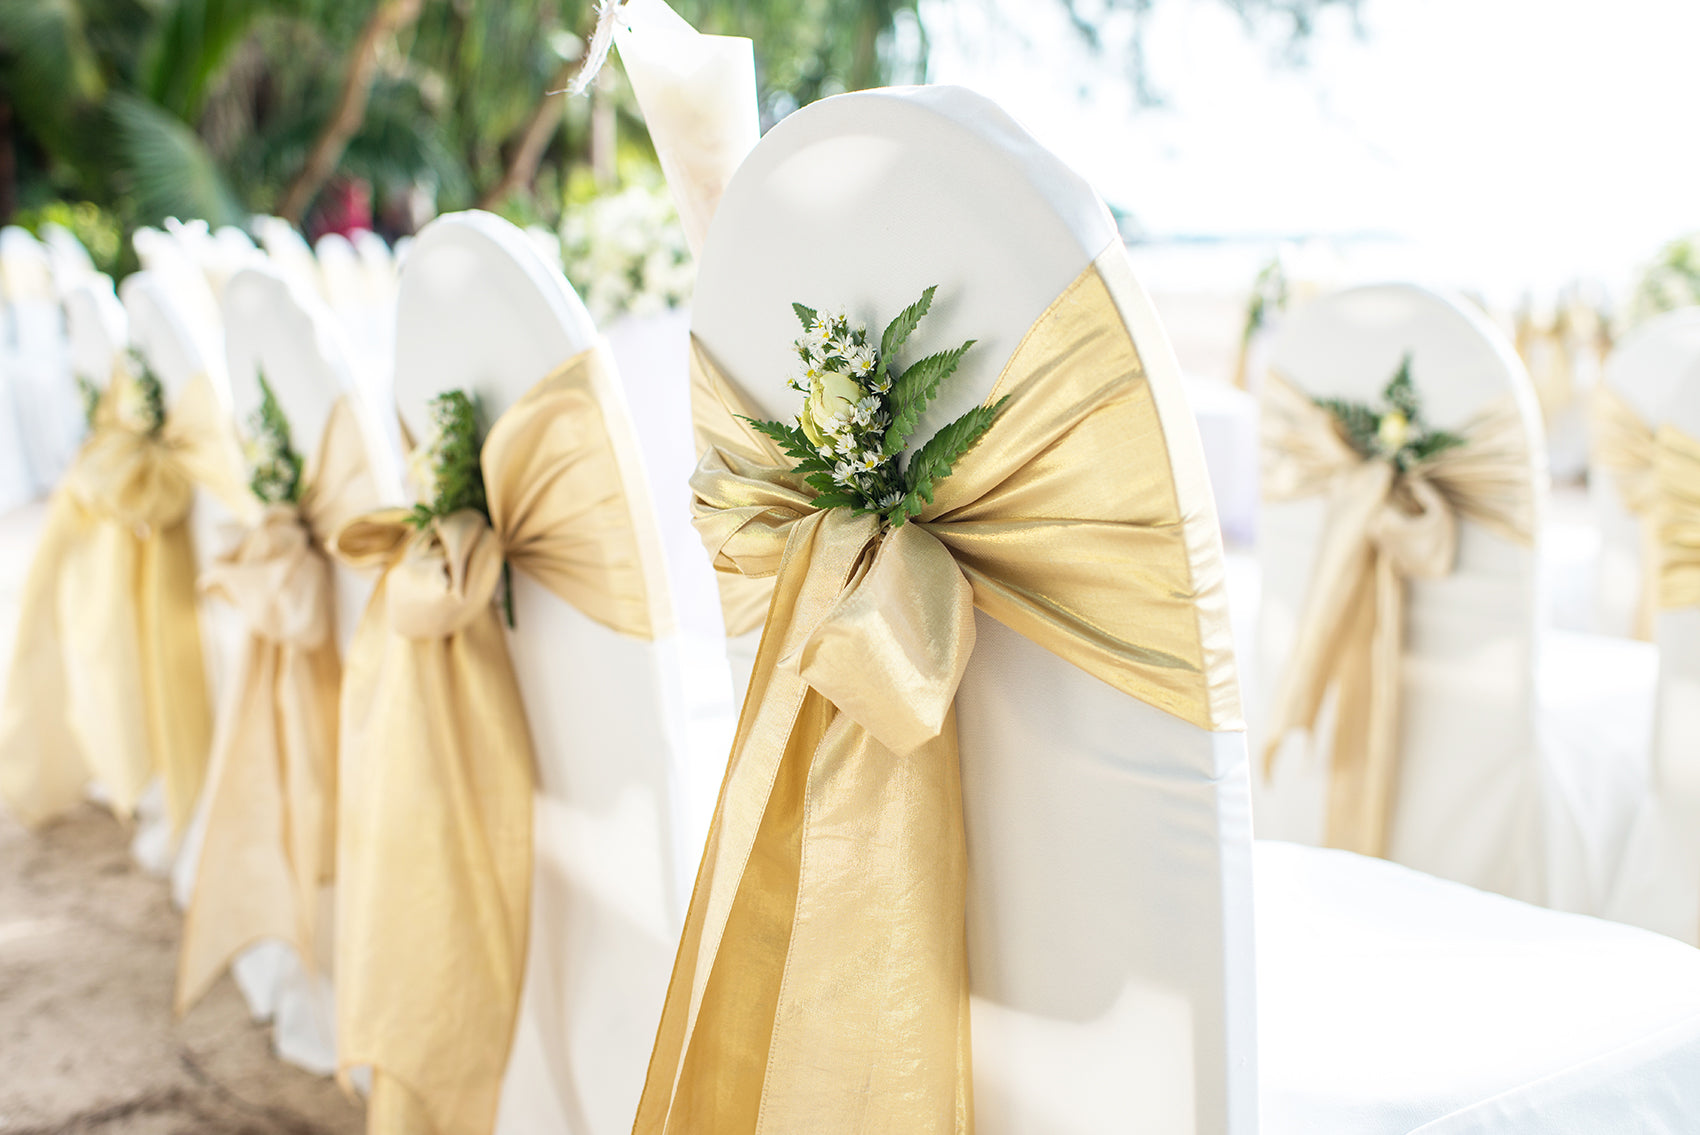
(1129, 966)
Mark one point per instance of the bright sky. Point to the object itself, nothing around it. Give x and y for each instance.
(1508, 143)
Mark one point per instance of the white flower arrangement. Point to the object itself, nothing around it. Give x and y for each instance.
(859, 412)
(626, 254)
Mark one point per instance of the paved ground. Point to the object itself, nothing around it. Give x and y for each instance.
(88, 1045)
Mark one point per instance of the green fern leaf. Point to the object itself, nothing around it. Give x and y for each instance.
(897, 332)
(1401, 392)
(791, 439)
(836, 499)
(805, 315)
(913, 389)
(934, 461)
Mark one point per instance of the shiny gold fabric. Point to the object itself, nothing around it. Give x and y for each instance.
(271, 792)
(1622, 446)
(821, 982)
(434, 828)
(717, 410)
(1548, 355)
(107, 680)
(1678, 516)
(1382, 529)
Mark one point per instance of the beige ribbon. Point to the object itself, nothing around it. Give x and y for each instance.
(271, 791)
(1622, 445)
(821, 982)
(1678, 516)
(107, 680)
(1383, 528)
(434, 828)
(1548, 355)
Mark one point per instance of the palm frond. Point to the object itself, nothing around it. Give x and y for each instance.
(169, 170)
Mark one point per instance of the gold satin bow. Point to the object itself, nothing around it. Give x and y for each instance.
(1623, 446)
(1383, 528)
(107, 680)
(271, 790)
(1678, 518)
(434, 828)
(821, 983)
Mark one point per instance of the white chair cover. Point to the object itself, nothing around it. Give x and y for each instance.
(164, 333)
(652, 353)
(1111, 970)
(1519, 762)
(1644, 370)
(275, 328)
(480, 311)
(1659, 884)
(37, 369)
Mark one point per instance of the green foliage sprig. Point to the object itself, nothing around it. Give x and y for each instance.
(860, 412)
(274, 468)
(1397, 431)
(141, 398)
(90, 395)
(451, 471)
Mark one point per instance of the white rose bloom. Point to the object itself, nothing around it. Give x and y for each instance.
(1392, 431)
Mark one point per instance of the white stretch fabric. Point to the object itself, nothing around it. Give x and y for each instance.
(1109, 896)
(35, 370)
(178, 350)
(1520, 760)
(1390, 1002)
(1659, 884)
(479, 310)
(1644, 370)
(275, 328)
(653, 353)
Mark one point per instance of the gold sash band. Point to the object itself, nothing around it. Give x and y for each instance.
(435, 823)
(107, 680)
(1623, 446)
(821, 981)
(1678, 517)
(271, 789)
(1382, 529)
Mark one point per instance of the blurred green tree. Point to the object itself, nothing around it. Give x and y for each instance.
(223, 108)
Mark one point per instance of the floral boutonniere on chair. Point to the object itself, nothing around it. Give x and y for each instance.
(860, 412)
(1396, 431)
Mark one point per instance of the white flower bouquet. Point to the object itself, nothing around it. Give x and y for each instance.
(626, 254)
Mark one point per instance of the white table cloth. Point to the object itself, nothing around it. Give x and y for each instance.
(1391, 1003)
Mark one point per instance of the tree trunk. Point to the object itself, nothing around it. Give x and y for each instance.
(350, 112)
(533, 140)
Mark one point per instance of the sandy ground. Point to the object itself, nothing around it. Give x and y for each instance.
(88, 951)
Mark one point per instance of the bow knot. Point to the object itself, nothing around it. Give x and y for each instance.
(1415, 528)
(278, 579)
(440, 577)
(132, 478)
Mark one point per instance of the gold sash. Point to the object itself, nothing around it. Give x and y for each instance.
(1382, 528)
(821, 981)
(1623, 447)
(1678, 515)
(271, 790)
(107, 681)
(434, 826)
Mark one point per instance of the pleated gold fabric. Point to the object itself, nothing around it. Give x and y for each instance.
(1622, 445)
(107, 680)
(1383, 528)
(821, 982)
(271, 791)
(717, 413)
(434, 828)
(1678, 516)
